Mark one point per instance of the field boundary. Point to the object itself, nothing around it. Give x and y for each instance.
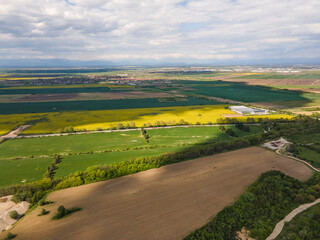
(127, 130)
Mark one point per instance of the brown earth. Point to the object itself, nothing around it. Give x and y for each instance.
(164, 203)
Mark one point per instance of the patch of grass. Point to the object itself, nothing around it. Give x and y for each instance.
(309, 155)
(22, 170)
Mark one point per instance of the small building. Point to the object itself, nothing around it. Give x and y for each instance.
(243, 110)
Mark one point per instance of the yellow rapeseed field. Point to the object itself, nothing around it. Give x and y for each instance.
(91, 120)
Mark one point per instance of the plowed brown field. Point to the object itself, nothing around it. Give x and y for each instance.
(164, 203)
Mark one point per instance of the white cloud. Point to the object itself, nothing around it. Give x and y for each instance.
(159, 29)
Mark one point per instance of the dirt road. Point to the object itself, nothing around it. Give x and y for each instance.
(164, 203)
(278, 228)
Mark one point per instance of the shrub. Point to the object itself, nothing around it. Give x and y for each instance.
(62, 212)
(42, 202)
(43, 212)
(14, 214)
(10, 235)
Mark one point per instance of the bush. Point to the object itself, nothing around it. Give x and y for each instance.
(14, 214)
(43, 212)
(10, 235)
(42, 202)
(62, 212)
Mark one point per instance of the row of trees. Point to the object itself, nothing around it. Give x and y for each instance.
(51, 169)
(145, 135)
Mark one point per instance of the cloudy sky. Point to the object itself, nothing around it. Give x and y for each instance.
(159, 29)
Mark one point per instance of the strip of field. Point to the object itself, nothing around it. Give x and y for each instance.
(246, 93)
(81, 96)
(113, 141)
(44, 107)
(91, 120)
(163, 203)
(52, 90)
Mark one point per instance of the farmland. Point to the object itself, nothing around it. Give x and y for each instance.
(96, 115)
(245, 93)
(91, 120)
(169, 205)
(31, 156)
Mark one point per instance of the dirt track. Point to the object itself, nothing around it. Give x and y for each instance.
(164, 203)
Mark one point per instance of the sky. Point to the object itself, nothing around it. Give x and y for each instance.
(163, 30)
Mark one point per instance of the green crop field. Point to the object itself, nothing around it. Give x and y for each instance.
(25, 147)
(71, 164)
(61, 106)
(23, 170)
(245, 93)
(16, 163)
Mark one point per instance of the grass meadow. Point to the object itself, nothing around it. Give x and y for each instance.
(17, 165)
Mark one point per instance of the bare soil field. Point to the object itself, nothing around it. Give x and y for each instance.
(164, 203)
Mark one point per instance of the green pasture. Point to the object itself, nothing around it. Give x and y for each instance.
(22, 170)
(16, 163)
(25, 147)
(309, 155)
(71, 164)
